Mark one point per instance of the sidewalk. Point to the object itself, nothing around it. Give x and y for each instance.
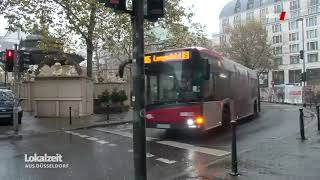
(31, 125)
(287, 158)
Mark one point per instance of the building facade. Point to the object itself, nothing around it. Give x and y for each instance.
(286, 37)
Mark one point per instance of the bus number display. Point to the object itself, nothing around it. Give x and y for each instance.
(171, 56)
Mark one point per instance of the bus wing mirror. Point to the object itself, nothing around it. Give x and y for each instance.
(207, 75)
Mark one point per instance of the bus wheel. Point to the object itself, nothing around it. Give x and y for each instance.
(226, 116)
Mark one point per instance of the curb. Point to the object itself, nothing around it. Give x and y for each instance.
(100, 125)
(20, 136)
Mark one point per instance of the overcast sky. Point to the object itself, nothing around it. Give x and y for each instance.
(206, 12)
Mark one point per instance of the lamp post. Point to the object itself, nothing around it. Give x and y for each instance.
(303, 59)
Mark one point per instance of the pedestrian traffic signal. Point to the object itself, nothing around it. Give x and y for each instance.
(303, 77)
(9, 60)
(118, 5)
(155, 10)
(301, 54)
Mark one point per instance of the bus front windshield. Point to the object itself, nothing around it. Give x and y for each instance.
(171, 82)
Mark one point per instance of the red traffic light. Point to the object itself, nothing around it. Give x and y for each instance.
(9, 54)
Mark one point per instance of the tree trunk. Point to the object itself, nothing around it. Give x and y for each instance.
(90, 47)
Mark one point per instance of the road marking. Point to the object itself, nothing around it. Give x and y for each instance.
(102, 142)
(149, 155)
(76, 134)
(124, 134)
(166, 161)
(69, 132)
(130, 150)
(210, 151)
(112, 144)
(83, 136)
(93, 139)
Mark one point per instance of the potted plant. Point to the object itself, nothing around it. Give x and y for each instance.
(104, 98)
(115, 97)
(122, 96)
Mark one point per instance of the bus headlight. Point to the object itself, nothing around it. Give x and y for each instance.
(190, 122)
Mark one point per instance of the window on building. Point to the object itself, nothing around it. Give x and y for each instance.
(263, 80)
(313, 9)
(313, 2)
(278, 60)
(312, 21)
(295, 14)
(225, 21)
(237, 8)
(263, 15)
(313, 76)
(294, 4)
(276, 28)
(278, 77)
(249, 16)
(294, 36)
(312, 45)
(223, 39)
(237, 20)
(293, 25)
(293, 48)
(277, 39)
(277, 50)
(250, 4)
(294, 76)
(313, 57)
(312, 33)
(278, 8)
(295, 59)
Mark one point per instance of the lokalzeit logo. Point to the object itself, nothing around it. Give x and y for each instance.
(44, 161)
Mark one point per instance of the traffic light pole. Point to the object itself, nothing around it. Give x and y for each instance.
(139, 134)
(16, 89)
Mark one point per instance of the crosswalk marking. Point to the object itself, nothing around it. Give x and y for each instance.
(83, 136)
(210, 151)
(112, 144)
(166, 161)
(149, 155)
(92, 138)
(102, 142)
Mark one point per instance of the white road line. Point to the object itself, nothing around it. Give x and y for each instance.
(112, 144)
(69, 132)
(124, 134)
(166, 161)
(102, 142)
(149, 155)
(210, 151)
(215, 152)
(93, 139)
(130, 150)
(83, 136)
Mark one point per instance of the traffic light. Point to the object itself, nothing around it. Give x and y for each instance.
(25, 60)
(303, 77)
(301, 54)
(9, 60)
(118, 5)
(155, 10)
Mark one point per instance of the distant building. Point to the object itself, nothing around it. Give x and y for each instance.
(285, 36)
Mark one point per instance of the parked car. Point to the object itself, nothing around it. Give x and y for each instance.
(7, 101)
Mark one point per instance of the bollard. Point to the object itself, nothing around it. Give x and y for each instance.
(302, 125)
(70, 120)
(318, 118)
(108, 111)
(234, 162)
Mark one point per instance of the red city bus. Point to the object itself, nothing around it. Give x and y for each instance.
(195, 88)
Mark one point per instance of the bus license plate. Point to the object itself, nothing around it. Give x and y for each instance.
(163, 126)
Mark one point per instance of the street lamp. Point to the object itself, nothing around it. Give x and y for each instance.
(303, 59)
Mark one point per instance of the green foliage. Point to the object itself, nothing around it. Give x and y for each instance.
(122, 96)
(248, 45)
(115, 96)
(105, 97)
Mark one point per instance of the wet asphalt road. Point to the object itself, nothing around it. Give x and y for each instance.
(106, 153)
